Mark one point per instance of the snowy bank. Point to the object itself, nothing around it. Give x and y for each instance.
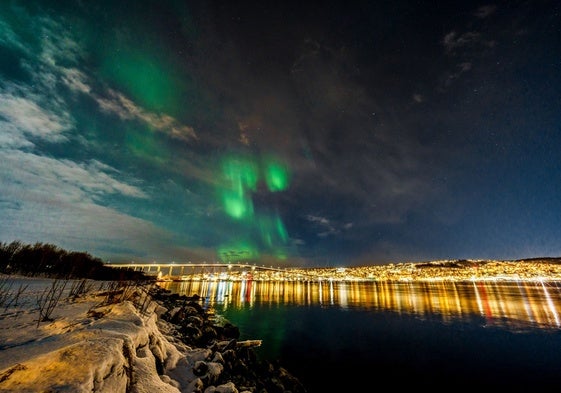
(101, 343)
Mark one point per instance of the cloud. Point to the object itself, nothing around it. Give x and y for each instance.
(28, 175)
(317, 219)
(456, 42)
(353, 148)
(55, 181)
(26, 116)
(57, 200)
(485, 11)
(76, 80)
(453, 40)
(58, 60)
(82, 226)
(11, 137)
(112, 101)
(36, 109)
(328, 227)
(46, 193)
(9, 38)
(466, 47)
(57, 43)
(118, 104)
(461, 68)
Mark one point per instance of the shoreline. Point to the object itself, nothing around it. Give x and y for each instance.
(199, 329)
(129, 339)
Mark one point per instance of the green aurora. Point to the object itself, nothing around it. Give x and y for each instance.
(241, 176)
(353, 134)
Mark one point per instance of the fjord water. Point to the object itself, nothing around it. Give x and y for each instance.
(364, 336)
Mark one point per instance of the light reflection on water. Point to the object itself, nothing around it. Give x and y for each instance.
(511, 305)
(502, 335)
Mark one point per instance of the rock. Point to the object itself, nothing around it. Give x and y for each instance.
(228, 387)
(195, 320)
(200, 368)
(217, 362)
(217, 358)
(214, 371)
(196, 386)
(197, 354)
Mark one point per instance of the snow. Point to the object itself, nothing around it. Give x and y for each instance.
(88, 346)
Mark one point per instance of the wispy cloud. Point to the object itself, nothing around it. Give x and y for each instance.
(58, 192)
(24, 115)
(317, 219)
(126, 109)
(115, 102)
(35, 110)
(9, 38)
(58, 47)
(58, 44)
(83, 226)
(466, 47)
(461, 68)
(55, 200)
(57, 61)
(457, 42)
(76, 80)
(453, 40)
(328, 227)
(485, 11)
(28, 175)
(11, 137)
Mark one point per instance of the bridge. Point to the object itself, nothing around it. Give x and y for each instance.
(217, 271)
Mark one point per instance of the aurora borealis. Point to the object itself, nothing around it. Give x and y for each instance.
(283, 133)
(241, 176)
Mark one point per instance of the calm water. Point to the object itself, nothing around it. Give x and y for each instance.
(341, 337)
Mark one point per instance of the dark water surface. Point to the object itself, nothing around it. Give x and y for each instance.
(341, 337)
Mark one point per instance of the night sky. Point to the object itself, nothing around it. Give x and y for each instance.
(283, 133)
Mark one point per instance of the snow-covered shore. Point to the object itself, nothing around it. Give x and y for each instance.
(97, 344)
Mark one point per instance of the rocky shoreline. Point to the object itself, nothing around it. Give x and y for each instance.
(223, 363)
(126, 337)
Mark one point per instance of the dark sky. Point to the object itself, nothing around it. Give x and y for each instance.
(286, 133)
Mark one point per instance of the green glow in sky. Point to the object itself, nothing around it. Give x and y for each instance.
(143, 144)
(272, 230)
(240, 251)
(142, 76)
(276, 176)
(281, 229)
(237, 205)
(240, 179)
(241, 173)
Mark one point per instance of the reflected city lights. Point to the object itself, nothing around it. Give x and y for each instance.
(511, 305)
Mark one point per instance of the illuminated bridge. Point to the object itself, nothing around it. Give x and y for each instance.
(218, 271)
